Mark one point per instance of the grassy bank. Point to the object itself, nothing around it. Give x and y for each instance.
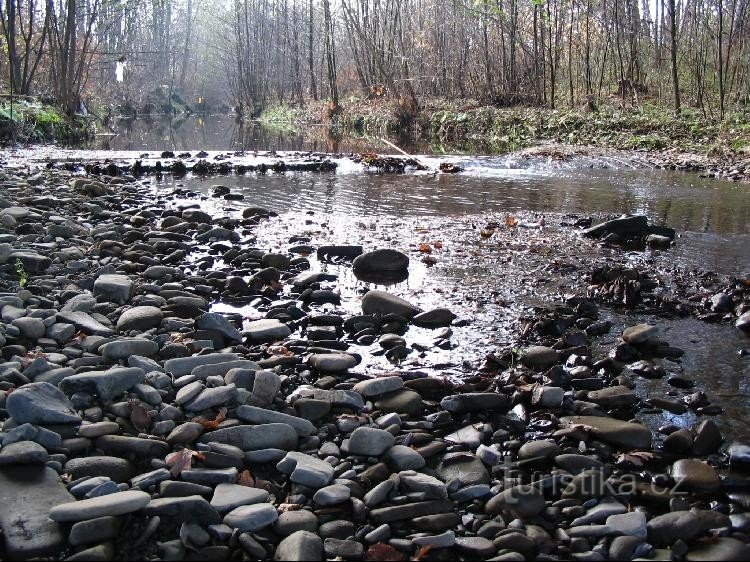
(32, 121)
(645, 127)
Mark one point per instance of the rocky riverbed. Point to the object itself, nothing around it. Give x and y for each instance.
(171, 389)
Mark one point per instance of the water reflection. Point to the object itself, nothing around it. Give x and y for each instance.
(674, 199)
(224, 132)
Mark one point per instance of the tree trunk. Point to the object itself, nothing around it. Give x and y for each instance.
(673, 39)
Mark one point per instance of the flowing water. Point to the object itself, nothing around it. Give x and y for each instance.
(488, 283)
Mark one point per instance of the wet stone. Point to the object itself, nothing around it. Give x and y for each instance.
(118, 469)
(94, 530)
(140, 318)
(301, 545)
(475, 402)
(380, 302)
(401, 401)
(186, 508)
(332, 362)
(622, 434)
(332, 495)
(306, 470)
(400, 457)
(254, 438)
(114, 288)
(251, 517)
(24, 453)
(29, 533)
(378, 386)
(40, 403)
(260, 331)
(292, 521)
(695, 475)
(723, 548)
(538, 357)
(370, 442)
(255, 415)
(639, 334)
(521, 501)
(112, 504)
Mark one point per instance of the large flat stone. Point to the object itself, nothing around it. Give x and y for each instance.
(409, 511)
(118, 503)
(140, 318)
(255, 415)
(380, 302)
(266, 330)
(626, 435)
(255, 437)
(183, 365)
(41, 403)
(85, 323)
(28, 532)
(107, 384)
(114, 288)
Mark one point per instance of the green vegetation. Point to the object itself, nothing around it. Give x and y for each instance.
(280, 116)
(23, 275)
(32, 121)
(499, 130)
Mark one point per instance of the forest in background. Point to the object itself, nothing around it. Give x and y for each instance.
(252, 54)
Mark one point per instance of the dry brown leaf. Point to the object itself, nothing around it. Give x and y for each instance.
(381, 552)
(279, 350)
(246, 478)
(511, 221)
(425, 248)
(139, 415)
(214, 423)
(181, 460)
(78, 337)
(284, 507)
(636, 458)
(422, 552)
(437, 244)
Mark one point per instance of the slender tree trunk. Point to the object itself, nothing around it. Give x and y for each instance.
(673, 39)
(330, 56)
(310, 51)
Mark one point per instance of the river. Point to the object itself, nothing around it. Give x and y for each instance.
(488, 282)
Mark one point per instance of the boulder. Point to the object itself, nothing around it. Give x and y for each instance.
(41, 403)
(380, 302)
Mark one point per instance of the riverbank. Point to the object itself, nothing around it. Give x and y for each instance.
(690, 142)
(29, 121)
(190, 376)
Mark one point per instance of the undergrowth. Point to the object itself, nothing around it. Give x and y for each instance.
(31, 121)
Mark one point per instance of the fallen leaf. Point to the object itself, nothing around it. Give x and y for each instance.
(437, 244)
(636, 458)
(214, 423)
(284, 507)
(425, 248)
(246, 478)
(279, 350)
(139, 416)
(181, 460)
(511, 221)
(422, 552)
(381, 552)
